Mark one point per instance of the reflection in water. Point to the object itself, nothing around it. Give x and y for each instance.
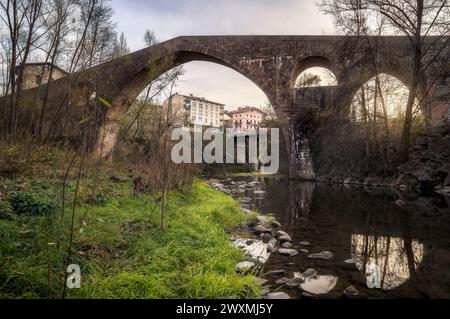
(385, 260)
(301, 198)
(319, 284)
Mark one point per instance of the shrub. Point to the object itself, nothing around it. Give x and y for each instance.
(5, 210)
(33, 203)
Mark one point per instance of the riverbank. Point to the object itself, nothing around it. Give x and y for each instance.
(120, 248)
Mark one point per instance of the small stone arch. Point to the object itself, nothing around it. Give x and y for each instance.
(310, 62)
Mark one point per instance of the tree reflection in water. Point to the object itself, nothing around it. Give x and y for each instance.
(386, 261)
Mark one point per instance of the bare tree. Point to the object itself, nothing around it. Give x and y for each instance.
(417, 20)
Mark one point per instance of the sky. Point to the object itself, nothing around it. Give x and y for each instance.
(172, 18)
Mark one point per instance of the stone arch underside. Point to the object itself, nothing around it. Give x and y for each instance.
(157, 66)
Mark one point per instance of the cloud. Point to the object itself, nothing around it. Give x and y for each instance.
(218, 17)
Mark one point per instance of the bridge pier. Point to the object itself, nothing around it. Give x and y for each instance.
(300, 159)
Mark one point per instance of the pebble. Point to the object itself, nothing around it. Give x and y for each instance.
(309, 273)
(294, 282)
(278, 295)
(280, 233)
(282, 281)
(261, 281)
(284, 239)
(287, 245)
(275, 224)
(287, 252)
(245, 266)
(324, 255)
(351, 292)
(259, 229)
(304, 243)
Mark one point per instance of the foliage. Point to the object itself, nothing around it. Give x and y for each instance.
(33, 203)
(6, 210)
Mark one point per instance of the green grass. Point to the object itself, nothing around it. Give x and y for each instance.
(123, 253)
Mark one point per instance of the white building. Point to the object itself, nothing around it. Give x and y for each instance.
(192, 110)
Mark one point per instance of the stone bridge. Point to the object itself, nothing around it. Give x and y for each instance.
(273, 63)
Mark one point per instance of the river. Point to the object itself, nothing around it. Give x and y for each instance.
(385, 243)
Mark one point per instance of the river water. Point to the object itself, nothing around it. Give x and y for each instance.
(382, 248)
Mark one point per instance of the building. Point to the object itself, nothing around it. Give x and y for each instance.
(192, 110)
(227, 120)
(35, 74)
(245, 118)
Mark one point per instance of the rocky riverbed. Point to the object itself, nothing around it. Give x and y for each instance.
(310, 241)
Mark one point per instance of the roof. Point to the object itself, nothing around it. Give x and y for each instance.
(202, 99)
(246, 109)
(40, 64)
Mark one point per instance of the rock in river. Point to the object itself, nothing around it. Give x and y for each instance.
(275, 224)
(351, 292)
(287, 252)
(304, 243)
(282, 281)
(261, 281)
(309, 273)
(280, 233)
(259, 229)
(278, 295)
(324, 255)
(266, 237)
(284, 239)
(245, 200)
(287, 245)
(319, 284)
(294, 282)
(245, 266)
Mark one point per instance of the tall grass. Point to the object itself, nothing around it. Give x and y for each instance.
(124, 254)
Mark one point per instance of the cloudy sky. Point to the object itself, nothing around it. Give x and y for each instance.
(172, 18)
